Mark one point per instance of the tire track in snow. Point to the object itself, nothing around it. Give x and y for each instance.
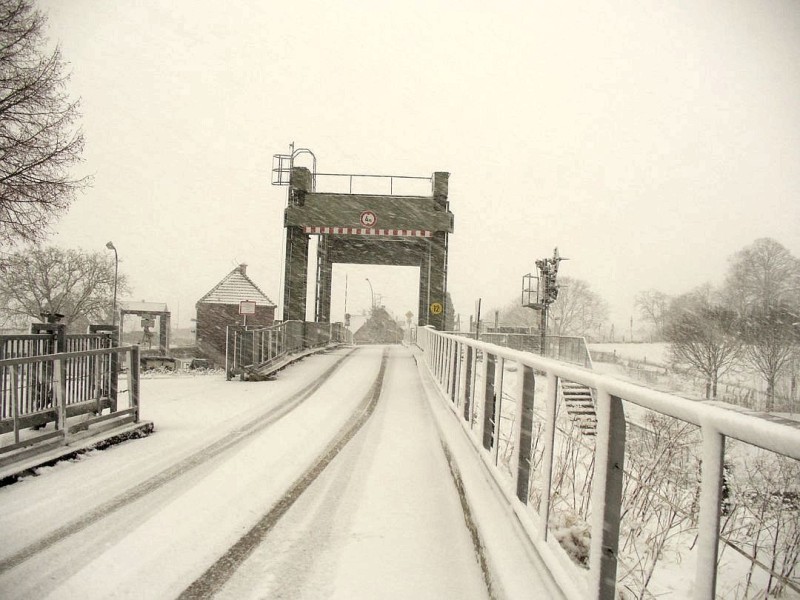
(193, 461)
(221, 571)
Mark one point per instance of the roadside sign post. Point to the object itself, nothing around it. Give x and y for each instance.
(247, 307)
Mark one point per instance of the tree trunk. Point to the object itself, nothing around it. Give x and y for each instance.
(770, 394)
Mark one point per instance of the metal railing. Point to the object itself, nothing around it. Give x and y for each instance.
(40, 389)
(364, 181)
(571, 349)
(249, 350)
(81, 372)
(658, 472)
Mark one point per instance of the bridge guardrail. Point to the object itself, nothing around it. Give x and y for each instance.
(681, 477)
(39, 389)
(252, 349)
(571, 349)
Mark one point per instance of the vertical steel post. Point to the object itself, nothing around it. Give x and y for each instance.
(468, 383)
(15, 400)
(456, 361)
(489, 395)
(133, 382)
(522, 451)
(98, 381)
(607, 495)
(60, 386)
(498, 410)
(547, 458)
(708, 520)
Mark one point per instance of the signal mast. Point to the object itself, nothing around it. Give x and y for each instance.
(540, 291)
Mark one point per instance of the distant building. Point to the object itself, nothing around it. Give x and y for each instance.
(220, 308)
(380, 328)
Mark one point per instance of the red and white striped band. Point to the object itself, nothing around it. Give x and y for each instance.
(367, 231)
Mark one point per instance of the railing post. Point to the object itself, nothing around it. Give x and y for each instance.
(228, 353)
(133, 382)
(15, 400)
(60, 387)
(455, 375)
(467, 371)
(711, 473)
(113, 375)
(607, 495)
(547, 459)
(498, 407)
(98, 382)
(522, 446)
(488, 399)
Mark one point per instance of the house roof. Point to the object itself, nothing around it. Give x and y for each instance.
(235, 287)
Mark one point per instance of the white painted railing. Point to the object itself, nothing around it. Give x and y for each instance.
(472, 375)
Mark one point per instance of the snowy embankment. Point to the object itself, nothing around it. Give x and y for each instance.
(382, 520)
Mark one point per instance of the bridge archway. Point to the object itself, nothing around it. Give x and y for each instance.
(369, 229)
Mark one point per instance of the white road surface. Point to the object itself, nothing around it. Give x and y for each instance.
(146, 518)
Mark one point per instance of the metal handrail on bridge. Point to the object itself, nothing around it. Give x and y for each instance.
(470, 375)
(36, 390)
(256, 349)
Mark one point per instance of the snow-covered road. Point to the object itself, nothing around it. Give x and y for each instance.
(147, 518)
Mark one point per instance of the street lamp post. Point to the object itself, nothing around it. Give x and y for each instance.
(110, 246)
(371, 295)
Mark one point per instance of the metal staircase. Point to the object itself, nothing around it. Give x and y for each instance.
(580, 406)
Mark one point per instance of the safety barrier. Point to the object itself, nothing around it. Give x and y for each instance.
(571, 349)
(249, 350)
(663, 479)
(40, 389)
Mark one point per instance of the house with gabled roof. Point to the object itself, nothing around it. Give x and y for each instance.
(219, 308)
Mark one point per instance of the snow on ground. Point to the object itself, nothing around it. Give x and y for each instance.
(384, 520)
(654, 353)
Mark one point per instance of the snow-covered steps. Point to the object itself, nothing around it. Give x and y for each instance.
(580, 406)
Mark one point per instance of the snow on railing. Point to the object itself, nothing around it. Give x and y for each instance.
(623, 507)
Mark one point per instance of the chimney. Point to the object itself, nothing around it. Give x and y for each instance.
(243, 268)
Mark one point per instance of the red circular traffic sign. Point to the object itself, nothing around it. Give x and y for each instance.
(368, 218)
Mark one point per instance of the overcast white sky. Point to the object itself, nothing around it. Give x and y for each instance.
(649, 141)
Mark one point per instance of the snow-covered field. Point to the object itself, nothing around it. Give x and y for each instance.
(146, 518)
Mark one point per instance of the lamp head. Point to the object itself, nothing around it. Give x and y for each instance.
(110, 246)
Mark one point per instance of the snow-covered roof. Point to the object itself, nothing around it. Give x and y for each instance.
(132, 306)
(235, 287)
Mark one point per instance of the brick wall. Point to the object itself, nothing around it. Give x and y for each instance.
(213, 319)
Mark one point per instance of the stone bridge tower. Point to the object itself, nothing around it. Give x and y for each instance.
(372, 229)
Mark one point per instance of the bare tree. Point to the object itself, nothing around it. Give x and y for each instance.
(579, 310)
(772, 337)
(39, 140)
(75, 284)
(763, 286)
(762, 276)
(653, 306)
(704, 334)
